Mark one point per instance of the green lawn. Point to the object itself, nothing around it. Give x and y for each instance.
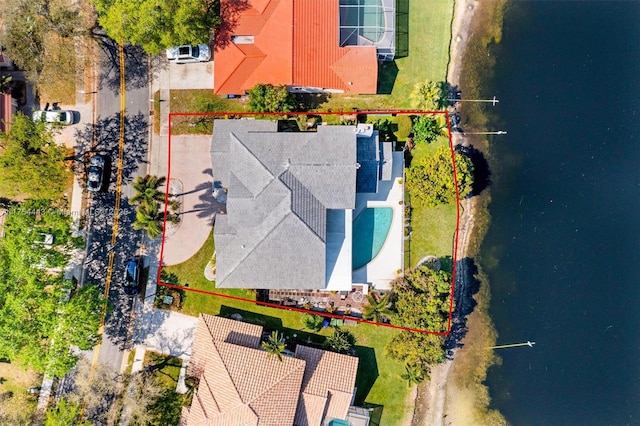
(424, 56)
(165, 369)
(194, 100)
(432, 227)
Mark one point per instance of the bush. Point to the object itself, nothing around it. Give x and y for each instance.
(426, 129)
(312, 322)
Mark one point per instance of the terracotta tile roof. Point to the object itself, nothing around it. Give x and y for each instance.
(239, 67)
(239, 385)
(318, 59)
(328, 377)
(296, 42)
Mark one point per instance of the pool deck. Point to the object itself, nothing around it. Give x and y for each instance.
(385, 266)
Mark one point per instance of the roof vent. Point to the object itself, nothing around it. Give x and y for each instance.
(242, 39)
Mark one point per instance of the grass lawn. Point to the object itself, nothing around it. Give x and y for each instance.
(166, 369)
(14, 382)
(57, 81)
(195, 100)
(378, 382)
(423, 56)
(432, 227)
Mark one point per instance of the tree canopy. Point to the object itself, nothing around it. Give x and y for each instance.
(429, 95)
(155, 25)
(38, 324)
(31, 163)
(270, 98)
(32, 21)
(426, 128)
(430, 180)
(422, 300)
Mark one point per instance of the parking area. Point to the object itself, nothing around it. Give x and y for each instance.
(191, 76)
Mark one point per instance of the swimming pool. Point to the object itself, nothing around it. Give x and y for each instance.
(370, 229)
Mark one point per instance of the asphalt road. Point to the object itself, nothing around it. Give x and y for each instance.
(101, 211)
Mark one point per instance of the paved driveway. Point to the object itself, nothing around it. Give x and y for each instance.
(191, 165)
(191, 76)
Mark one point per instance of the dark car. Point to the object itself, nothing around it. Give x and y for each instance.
(132, 275)
(95, 175)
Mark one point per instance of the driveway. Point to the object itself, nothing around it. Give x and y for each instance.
(164, 331)
(191, 167)
(191, 76)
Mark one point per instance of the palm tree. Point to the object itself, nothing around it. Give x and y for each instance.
(149, 218)
(147, 190)
(274, 345)
(342, 341)
(413, 374)
(312, 322)
(378, 307)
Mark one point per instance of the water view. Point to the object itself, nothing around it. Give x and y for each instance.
(562, 253)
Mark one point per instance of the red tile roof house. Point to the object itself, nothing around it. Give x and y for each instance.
(311, 46)
(240, 385)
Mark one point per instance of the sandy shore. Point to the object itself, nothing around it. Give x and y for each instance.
(431, 396)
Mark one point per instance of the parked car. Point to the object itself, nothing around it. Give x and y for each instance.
(188, 54)
(132, 275)
(53, 116)
(96, 173)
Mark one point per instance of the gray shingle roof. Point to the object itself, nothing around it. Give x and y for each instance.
(280, 186)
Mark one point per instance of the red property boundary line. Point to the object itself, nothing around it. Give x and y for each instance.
(291, 308)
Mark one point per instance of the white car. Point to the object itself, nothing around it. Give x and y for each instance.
(188, 54)
(54, 116)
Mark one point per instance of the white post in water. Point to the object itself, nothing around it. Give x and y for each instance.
(497, 132)
(513, 345)
(493, 101)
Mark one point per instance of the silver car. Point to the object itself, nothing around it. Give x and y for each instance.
(95, 175)
(188, 54)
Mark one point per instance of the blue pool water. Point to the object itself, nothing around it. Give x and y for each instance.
(370, 229)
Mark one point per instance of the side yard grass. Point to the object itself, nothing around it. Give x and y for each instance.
(165, 369)
(433, 228)
(14, 382)
(194, 100)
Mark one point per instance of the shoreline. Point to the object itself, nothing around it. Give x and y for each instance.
(447, 395)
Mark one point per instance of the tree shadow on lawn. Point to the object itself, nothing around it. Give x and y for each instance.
(402, 28)
(387, 74)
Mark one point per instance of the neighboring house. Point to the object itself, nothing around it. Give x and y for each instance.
(308, 45)
(240, 385)
(8, 107)
(289, 202)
